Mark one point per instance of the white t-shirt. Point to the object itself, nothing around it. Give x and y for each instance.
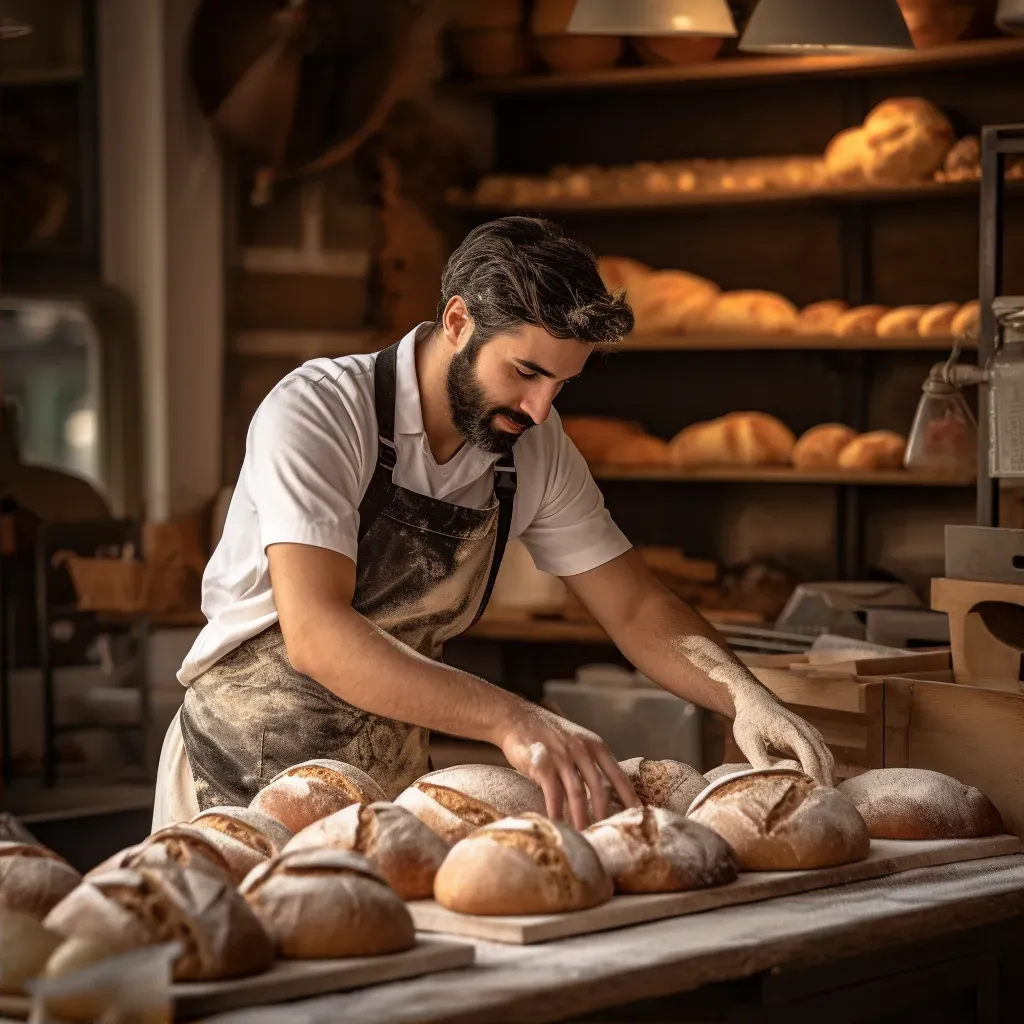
(310, 453)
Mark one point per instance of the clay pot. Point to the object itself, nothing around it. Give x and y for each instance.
(937, 22)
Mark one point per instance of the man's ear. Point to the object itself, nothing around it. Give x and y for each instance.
(458, 324)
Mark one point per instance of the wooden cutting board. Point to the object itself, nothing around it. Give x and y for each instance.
(887, 857)
(300, 979)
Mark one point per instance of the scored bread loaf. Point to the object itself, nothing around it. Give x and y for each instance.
(327, 903)
(642, 450)
(967, 321)
(453, 802)
(25, 946)
(33, 879)
(741, 438)
(671, 785)
(129, 908)
(745, 766)
(937, 322)
(820, 446)
(244, 836)
(523, 865)
(404, 851)
(671, 300)
(900, 322)
(906, 139)
(765, 312)
(619, 273)
(877, 449)
(859, 322)
(177, 844)
(309, 791)
(651, 849)
(781, 820)
(820, 317)
(595, 436)
(913, 803)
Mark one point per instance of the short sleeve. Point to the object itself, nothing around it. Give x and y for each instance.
(572, 531)
(304, 460)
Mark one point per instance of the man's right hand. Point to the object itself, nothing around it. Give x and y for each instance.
(566, 761)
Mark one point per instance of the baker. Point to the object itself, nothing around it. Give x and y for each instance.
(375, 500)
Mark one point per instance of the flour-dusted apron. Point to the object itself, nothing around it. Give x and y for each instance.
(424, 572)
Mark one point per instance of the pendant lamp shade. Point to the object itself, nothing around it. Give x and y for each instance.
(652, 18)
(11, 29)
(783, 26)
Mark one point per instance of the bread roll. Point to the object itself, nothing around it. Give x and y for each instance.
(642, 450)
(397, 845)
(671, 300)
(309, 791)
(900, 322)
(25, 946)
(739, 439)
(780, 820)
(743, 766)
(70, 957)
(525, 865)
(456, 801)
(327, 903)
(620, 272)
(765, 312)
(820, 317)
(595, 436)
(844, 157)
(33, 879)
(650, 849)
(178, 844)
(129, 908)
(913, 803)
(12, 831)
(967, 322)
(906, 140)
(819, 448)
(937, 322)
(878, 449)
(244, 836)
(859, 322)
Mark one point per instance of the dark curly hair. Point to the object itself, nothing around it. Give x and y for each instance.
(527, 270)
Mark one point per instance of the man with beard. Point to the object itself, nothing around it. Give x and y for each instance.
(374, 503)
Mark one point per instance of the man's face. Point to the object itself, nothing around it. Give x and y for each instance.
(499, 389)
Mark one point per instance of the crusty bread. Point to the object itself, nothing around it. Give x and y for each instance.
(878, 449)
(595, 436)
(671, 300)
(650, 849)
(967, 321)
(913, 803)
(906, 139)
(128, 908)
(404, 851)
(33, 879)
(309, 791)
(741, 439)
(963, 161)
(183, 845)
(820, 317)
(25, 946)
(620, 272)
(844, 157)
(244, 836)
(763, 312)
(88, 1002)
(327, 903)
(859, 322)
(671, 785)
(523, 865)
(937, 322)
(900, 322)
(456, 801)
(642, 450)
(780, 820)
(820, 446)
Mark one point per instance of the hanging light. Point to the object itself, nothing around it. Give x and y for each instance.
(782, 26)
(11, 29)
(652, 18)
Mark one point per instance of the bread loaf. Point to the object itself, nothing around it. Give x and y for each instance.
(819, 448)
(453, 802)
(327, 903)
(967, 322)
(765, 312)
(671, 300)
(671, 785)
(397, 845)
(900, 322)
(129, 908)
(906, 140)
(524, 865)
(576, 53)
(307, 792)
(244, 837)
(844, 157)
(937, 322)
(820, 317)
(650, 849)
(726, 769)
(595, 436)
(620, 272)
(859, 322)
(912, 803)
(878, 449)
(89, 1003)
(642, 450)
(25, 946)
(780, 820)
(33, 879)
(740, 439)
(183, 845)
(963, 161)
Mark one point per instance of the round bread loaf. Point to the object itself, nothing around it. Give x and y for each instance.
(744, 766)
(595, 436)
(128, 908)
(761, 311)
(524, 865)
(455, 801)
(859, 322)
(877, 449)
(642, 450)
(619, 273)
(937, 322)
(183, 845)
(820, 317)
(906, 139)
(671, 300)
(913, 803)
(967, 321)
(309, 791)
(327, 903)
(244, 836)
(25, 946)
(777, 819)
(819, 448)
(901, 322)
(739, 439)
(404, 851)
(650, 849)
(671, 785)
(33, 879)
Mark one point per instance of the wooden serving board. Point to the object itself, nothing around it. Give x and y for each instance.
(887, 857)
(300, 979)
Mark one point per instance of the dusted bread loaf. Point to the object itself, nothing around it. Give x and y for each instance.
(967, 320)
(327, 903)
(913, 803)
(744, 766)
(739, 439)
(453, 802)
(765, 312)
(244, 836)
(878, 449)
(404, 851)
(819, 448)
(525, 865)
(905, 139)
(130, 908)
(25, 946)
(183, 845)
(33, 879)
(650, 849)
(780, 820)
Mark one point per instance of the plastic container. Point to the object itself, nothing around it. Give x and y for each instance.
(634, 722)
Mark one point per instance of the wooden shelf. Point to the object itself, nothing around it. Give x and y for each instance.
(778, 475)
(982, 52)
(51, 76)
(780, 342)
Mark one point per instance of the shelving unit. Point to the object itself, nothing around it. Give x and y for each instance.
(779, 475)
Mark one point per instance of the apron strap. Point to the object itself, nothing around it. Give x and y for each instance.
(505, 492)
(384, 393)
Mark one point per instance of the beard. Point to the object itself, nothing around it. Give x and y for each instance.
(472, 411)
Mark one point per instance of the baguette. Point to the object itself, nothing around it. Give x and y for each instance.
(859, 322)
(819, 448)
